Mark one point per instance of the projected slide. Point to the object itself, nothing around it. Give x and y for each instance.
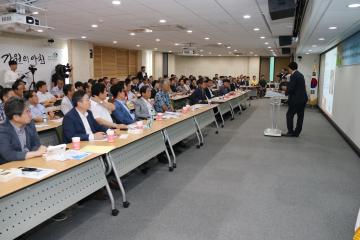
(329, 81)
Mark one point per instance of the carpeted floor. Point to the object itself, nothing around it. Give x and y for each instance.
(240, 185)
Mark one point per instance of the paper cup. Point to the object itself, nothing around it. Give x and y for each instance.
(159, 116)
(76, 143)
(110, 136)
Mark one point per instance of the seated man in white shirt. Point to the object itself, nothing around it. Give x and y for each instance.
(101, 108)
(57, 91)
(45, 98)
(66, 103)
(38, 111)
(11, 75)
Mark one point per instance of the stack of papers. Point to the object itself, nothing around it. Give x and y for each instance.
(39, 173)
(97, 149)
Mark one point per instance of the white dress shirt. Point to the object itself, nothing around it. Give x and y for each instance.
(10, 77)
(99, 111)
(56, 91)
(44, 96)
(66, 105)
(86, 124)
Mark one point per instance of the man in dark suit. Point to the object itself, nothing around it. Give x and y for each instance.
(80, 122)
(121, 114)
(198, 96)
(225, 88)
(142, 74)
(297, 100)
(208, 92)
(18, 136)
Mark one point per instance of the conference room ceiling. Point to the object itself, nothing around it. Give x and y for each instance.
(316, 37)
(220, 20)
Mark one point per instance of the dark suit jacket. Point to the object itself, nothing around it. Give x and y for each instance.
(73, 126)
(121, 115)
(296, 89)
(198, 96)
(140, 76)
(223, 90)
(10, 147)
(208, 94)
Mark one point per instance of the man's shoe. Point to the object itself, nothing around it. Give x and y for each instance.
(288, 135)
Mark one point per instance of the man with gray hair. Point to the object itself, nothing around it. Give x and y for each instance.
(162, 98)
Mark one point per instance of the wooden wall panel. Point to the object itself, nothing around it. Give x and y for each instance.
(114, 62)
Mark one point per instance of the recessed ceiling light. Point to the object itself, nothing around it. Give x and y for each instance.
(354, 5)
(235, 50)
(189, 31)
(83, 37)
(210, 53)
(262, 37)
(138, 45)
(156, 48)
(251, 52)
(170, 51)
(310, 50)
(271, 50)
(269, 47)
(116, 2)
(35, 13)
(314, 45)
(40, 30)
(228, 47)
(201, 50)
(132, 34)
(158, 39)
(201, 55)
(256, 29)
(176, 44)
(147, 30)
(332, 27)
(266, 43)
(255, 55)
(94, 26)
(207, 38)
(307, 53)
(114, 42)
(321, 39)
(246, 16)
(219, 43)
(219, 55)
(162, 21)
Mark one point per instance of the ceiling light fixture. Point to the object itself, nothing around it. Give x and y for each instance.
(162, 21)
(251, 52)
(332, 28)
(266, 43)
(176, 44)
(83, 37)
(321, 39)
(147, 30)
(201, 50)
(138, 45)
(219, 55)
(156, 48)
(271, 50)
(235, 50)
(228, 47)
(219, 43)
(132, 34)
(354, 5)
(94, 26)
(256, 29)
(116, 2)
(158, 39)
(189, 31)
(269, 47)
(40, 30)
(207, 38)
(114, 42)
(170, 51)
(247, 16)
(307, 53)
(262, 37)
(310, 50)
(35, 13)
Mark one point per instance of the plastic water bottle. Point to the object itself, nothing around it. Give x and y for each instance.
(45, 118)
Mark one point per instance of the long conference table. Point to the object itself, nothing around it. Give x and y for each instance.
(25, 203)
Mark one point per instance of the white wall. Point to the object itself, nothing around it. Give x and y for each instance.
(79, 58)
(209, 66)
(27, 47)
(306, 67)
(171, 64)
(157, 65)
